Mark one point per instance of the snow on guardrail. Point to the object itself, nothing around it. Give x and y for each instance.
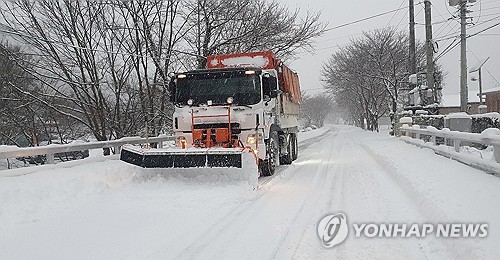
(489, 137)
(7, 152)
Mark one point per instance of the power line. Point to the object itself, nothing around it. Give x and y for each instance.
(490, 34)
(450, 47)
(395, 13)
(365, 19)
(442, 26)
(491, 1)
(484, 22)
(484, 66)
(480, 11)
(339, 37)
(402, 18)
(491, 8)
(333, 46)
(483, 30)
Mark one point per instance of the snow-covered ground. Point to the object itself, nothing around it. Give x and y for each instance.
(107, 209)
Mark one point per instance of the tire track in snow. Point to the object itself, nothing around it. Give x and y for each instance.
(361, 195)
(202, 242)
(309, 210)
(431, 212)
(252, 211)
(263, 181)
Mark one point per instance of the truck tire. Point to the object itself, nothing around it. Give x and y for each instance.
(295, 147)
(287, 158)
(268, 166)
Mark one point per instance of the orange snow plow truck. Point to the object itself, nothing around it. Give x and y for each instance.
(246, 102)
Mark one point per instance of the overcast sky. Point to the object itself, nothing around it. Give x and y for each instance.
(485, 13)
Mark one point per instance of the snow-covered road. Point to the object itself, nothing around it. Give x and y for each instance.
(111, 210)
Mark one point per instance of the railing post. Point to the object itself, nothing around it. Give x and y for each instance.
(456, 145)
(434, 139)
(160, 144)
(50, 158)
(496, 153)
(118, 149)
(417, 136)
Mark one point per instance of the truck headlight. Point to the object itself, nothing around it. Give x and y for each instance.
(254, 138)
(251, 139)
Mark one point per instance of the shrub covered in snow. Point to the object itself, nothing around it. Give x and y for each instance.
(436, 121)
(479, 122)
(484, 121)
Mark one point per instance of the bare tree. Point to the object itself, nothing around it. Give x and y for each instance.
(315, 109)
(229, 26)
(24, 120)
(366, 76)
(110, 59)
(66, 34)
(154, 29)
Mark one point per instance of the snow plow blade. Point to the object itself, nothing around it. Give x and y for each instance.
(182, 158)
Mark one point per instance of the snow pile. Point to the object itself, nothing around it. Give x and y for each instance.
(491, 133)
(31, 196)
(431, 189)
(492, 115)
(107, 210)
(8, 148)
(481, 159)
(257, 61)
(460, 115)
(421, 112)
(303, 136)
(28, 194)
(405, 120)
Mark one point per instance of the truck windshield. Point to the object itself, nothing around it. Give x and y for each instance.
(217, 87)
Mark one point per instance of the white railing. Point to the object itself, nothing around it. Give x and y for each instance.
(7, 152)
(489, 137)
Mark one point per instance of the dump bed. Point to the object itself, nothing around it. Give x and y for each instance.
(291, 84)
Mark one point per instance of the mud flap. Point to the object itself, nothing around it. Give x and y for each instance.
(156, 158)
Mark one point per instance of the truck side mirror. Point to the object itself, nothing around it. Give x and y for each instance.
(171, 89)
(269, 86)
(274, 93)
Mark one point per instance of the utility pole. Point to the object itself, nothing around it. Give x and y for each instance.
(430, 50)
(464, 92)
(198, 42)
(413, 60)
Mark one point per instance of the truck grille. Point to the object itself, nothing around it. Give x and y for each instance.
(235, 127)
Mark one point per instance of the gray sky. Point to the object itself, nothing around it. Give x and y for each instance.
(485, 14)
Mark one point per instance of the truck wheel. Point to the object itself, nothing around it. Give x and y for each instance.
(287, 158)
(268, 166)
(295, 146)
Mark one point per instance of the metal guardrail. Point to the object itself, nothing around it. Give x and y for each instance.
(52, 149)
(458, 138)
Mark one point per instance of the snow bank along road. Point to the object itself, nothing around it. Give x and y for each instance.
(111, 210)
